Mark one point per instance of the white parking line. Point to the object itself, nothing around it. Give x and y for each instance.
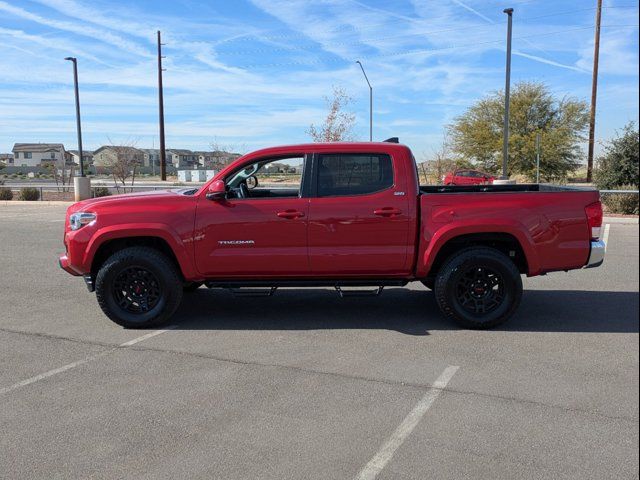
(384, 455)
(77, 363)
(147, 336)
(605, 237)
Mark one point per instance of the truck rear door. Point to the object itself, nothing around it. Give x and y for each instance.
(359, 215)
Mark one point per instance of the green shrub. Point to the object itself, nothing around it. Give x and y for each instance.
(101, 192)
(30, 194)
(625, 203)
(619, 163)
(6, 194)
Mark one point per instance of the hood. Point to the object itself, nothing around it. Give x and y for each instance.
(126, 197)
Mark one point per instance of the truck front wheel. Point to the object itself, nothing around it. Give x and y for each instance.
(138, 287)
(478, 288)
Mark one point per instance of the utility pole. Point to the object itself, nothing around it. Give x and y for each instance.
(507, 91)
(594, 93)
(370, 102)
(163, 159)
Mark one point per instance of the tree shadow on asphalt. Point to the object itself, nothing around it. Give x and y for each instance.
(412, 312)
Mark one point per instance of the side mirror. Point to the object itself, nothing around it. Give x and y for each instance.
(217, 190)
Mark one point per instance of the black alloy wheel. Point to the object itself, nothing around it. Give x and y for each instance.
(480, 290)
(478, 287)
(136, 289)
(139, 287)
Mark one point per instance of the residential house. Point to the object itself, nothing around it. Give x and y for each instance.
(87, 156)
(35, 154)
(151, 157)
(6, 159)
(181, 158)
(107, 155)
(217, 159)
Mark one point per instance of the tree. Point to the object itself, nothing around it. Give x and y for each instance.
(440, 162)
(223, 154)
(619, 163)
(123, 162)
(338, 125)
(562, 123)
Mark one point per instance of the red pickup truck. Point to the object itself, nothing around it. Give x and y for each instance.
(354, 216)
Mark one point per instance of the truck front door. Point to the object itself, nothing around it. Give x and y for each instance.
(260, 228)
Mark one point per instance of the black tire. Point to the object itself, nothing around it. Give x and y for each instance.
(190, 287)
(138, 287)
(478, 288)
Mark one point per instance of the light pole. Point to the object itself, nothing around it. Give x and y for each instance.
(82, 185)
(78, 127)
(507, 89)
(370, 102)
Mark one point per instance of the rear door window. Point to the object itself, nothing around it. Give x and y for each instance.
(353, 174)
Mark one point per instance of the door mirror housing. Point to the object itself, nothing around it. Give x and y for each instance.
(217, 190)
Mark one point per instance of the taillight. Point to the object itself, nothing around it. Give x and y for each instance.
(594, 218)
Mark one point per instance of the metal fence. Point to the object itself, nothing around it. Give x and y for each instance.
(116, 189)
(60, 192)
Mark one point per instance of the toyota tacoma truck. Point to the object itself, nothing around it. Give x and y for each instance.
(351, 215)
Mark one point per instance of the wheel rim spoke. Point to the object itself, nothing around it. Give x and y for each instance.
(136, 290)
(480, 290)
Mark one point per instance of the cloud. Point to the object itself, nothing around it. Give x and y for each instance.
(616, 58)
(256, 73)
(79, 29)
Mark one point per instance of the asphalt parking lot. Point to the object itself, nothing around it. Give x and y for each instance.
(305, 385)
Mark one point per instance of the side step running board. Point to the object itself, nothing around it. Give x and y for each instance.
(359, 293)
(253, 292)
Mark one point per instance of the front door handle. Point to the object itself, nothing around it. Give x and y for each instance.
(290, 214)
(387, 211)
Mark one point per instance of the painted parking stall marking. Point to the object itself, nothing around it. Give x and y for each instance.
(78, 363)
(387, 450)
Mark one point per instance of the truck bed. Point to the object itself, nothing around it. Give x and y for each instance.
(549, 221)
(522, 187)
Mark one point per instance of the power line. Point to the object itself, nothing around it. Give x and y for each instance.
(388, 37)
(417, 20)
(428, 50)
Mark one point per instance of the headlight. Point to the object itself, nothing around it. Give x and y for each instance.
(80, 219)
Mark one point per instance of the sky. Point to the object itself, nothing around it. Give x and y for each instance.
(246, 74)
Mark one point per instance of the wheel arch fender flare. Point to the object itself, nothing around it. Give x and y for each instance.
(455, 230)
(161, 231)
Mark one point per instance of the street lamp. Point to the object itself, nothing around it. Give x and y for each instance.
(370, 102)
(507, 88)
(81, 184)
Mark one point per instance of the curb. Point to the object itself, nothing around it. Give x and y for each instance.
(36, 203)
(624, 220)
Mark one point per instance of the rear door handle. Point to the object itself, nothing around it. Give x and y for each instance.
(290, 214)
(387, 211)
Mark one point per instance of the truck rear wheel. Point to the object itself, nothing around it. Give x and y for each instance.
(478, 288)
(138, 287)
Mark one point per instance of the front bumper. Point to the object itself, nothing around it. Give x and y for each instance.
(596, 255)
(65, 264)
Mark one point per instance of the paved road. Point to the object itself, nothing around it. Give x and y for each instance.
(305, 385)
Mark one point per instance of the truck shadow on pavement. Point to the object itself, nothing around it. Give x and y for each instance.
(412, 312)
